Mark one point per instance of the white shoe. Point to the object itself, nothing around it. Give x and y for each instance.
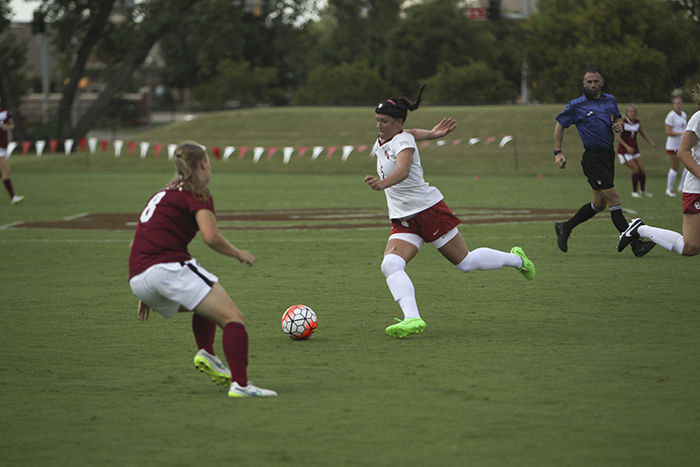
(669, 193)
(646, 194)
(635, 194)
(212, 366)
(249, 391)
(16, 199)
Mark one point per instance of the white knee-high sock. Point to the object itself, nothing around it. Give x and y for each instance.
(400, 285)
(668, 239)
(671, 179)
(483, 259)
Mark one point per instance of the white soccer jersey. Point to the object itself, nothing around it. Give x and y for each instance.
(412, 195)
(692, 183)
(677, 124)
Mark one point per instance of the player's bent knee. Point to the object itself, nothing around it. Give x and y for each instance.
(690, 249)
(391, 264)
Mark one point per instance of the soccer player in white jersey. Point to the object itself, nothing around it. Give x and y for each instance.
(687, 244)
(675, 126)
(419, 214)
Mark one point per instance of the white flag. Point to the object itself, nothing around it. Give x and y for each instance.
(68, 146)
(257, 153)
(317, 152)
(505, 140)
(441, 142)
(118, 147)
(287, 154)
(40, 144)
(144, 149)
(228, 151)
(11, 147)
(92, 145)
(171, 151)
(346, 152)
(473, 141)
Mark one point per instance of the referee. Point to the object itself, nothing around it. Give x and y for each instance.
(596, 116)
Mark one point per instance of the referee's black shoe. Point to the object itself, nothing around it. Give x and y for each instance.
(562, 236)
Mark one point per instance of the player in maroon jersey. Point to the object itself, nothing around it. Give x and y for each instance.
(165, 278)
(628, 150)
(6, 124)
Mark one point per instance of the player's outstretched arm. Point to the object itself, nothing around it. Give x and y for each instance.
(442, 129)
(206, 221)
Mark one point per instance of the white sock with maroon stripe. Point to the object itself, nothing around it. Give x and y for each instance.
(483, 259)
(400, 285)
(668, 239)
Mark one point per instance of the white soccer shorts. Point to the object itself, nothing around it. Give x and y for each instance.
(165, 287)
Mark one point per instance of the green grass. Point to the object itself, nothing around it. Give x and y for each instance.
(593, 363)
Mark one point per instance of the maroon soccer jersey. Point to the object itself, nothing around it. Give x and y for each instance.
(4, 116)
(630, 130)
(166, 226)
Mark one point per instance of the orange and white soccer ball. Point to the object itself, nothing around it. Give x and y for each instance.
(299, 322)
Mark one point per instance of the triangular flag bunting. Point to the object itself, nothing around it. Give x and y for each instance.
(241, 152)
(11, 147)
(40, 144)
(331, 151)
(92, 145)
(317, 152)
(257, 153)
(228, 150)
(346, 152)
(52, 145)
(473, 141)
(287, 154)
(490, 140)
(171, 151)
(68, 146)
(118, 147)
(217, 152)
(25, 146)
(157, 148)
(144, 148)
(271, 152)
(302, 150)
(505, 140)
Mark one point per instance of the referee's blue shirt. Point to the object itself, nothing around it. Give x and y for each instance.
(593, 120)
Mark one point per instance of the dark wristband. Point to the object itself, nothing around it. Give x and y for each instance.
(557, 151)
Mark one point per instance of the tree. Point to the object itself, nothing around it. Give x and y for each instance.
(640, 62)
(475, 83)
(431, 34)
(84, 24)
(346, 84)
(12, 82)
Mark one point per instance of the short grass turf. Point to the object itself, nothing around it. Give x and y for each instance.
(595, 362)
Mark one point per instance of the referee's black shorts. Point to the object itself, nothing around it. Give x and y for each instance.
(599, 168)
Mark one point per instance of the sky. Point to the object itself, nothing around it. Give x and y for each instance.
(23, 10)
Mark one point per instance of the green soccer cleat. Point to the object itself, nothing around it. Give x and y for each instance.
(406, 327)
(528, 267)
(211, 366)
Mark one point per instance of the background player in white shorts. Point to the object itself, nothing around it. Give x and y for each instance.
(418, 213)
(164, 276)
(628, 150)
(6, 125)
(687, 244)
(675, 123)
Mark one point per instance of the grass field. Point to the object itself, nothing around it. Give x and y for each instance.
(593, 363)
